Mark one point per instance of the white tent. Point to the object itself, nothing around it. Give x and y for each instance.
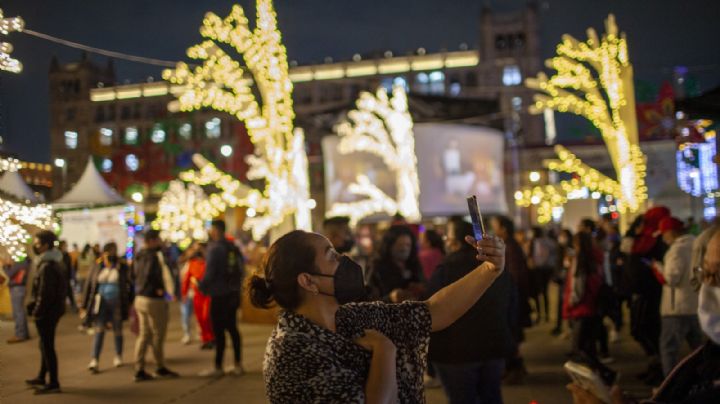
(13, 184)
(90, 190)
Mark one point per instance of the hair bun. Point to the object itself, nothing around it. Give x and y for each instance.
(260, 291)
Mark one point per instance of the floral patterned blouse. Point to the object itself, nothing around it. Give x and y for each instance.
(306, 363)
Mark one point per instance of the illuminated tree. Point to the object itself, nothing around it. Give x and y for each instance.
(381, 126)
(224, 84)
(183, 211)
(594, 80)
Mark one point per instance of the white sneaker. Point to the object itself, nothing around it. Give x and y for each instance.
(117, 362)
(212, 373)
(614, 336)
(236, 370)
(185, 340)
(93, 365)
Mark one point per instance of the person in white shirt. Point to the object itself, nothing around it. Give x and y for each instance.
(679, 304)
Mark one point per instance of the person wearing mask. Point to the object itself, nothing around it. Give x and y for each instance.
(327, 347)
(541, 266)
(337, 230)
(396, 275)
(432, 251)
(193, 273)
(46, 306)
(679, 303)
(153, 285)
(471, 372)
(647, 292)
(17, 276)
(695, 378)
(566, 252)
(516, 264)
(222, 282)
(106, 300)
(580, 299)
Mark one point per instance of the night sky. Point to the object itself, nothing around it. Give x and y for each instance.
(662, 34)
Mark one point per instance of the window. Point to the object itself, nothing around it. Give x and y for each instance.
(131, 135)
(125, 112)
(158, 134)
(400, 81)
(517, 103)
(212, 128)
(106, 135)
(131, 162)
(437, 82)
(71, 139)
(511, 75)
(106, 165)
(185, 131)
(455, 89)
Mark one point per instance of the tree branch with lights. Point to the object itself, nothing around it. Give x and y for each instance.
(381, 125)
(224, 84)
(594, 80)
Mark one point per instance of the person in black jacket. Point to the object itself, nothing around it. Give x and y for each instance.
(106, 300)
(224, 296)
(470, 355)
(47, 305)
(396, 274)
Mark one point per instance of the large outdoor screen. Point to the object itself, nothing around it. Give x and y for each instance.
(454, 162)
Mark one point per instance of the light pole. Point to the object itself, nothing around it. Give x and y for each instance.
(61, 164)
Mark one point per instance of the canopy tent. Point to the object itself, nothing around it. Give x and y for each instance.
(91, 190)
(12, 184)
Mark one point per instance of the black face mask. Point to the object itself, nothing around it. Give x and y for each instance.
(346, 247)
(348, 281)
(36, 250)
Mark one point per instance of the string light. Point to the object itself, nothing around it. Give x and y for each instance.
(381, 126)
(608, 102)
(221, 83)
(8, 25)
(183, 211)
(15, 220)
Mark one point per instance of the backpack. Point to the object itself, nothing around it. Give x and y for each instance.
(235, 267)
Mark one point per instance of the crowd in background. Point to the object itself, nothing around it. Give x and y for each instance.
(601, 275)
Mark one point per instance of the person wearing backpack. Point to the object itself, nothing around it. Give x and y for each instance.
(222, 282)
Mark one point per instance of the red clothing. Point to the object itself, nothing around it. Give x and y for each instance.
(587, 307)
(430, 258)
(195, 269)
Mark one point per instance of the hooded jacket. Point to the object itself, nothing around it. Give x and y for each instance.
(49, 288)
(679, 297)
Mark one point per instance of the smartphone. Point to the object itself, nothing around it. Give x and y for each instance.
(597, 380)
(476, 217)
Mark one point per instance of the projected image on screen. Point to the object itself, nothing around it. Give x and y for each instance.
(454, 162)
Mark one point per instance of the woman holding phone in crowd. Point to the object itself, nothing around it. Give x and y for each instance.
(326, 348)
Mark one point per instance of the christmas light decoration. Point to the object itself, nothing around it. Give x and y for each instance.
(381, 126)
(221, 83)
(8, 25)
(608, 102)
(183, 211)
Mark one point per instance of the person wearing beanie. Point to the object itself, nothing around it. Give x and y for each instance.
(679, 296)
(647, 291)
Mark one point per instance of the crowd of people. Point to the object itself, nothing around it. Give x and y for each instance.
(382, 320)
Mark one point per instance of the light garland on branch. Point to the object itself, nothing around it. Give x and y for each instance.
(609, 103)
(221, 83)
(381, 126)
(8, 25)
(15, 221)
(183, 211)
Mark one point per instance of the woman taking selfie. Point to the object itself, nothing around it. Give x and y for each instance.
(327, 349)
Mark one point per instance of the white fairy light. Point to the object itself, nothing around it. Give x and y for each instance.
(8, 25)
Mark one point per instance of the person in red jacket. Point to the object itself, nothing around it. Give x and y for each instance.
(581, 290)
(193, 273)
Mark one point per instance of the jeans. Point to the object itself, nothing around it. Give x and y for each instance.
(472, 383)
(153, 317)
(49, 364)
(675, 329)
(109, 313)
(223, 315)
(17, 296)
(186, 312)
